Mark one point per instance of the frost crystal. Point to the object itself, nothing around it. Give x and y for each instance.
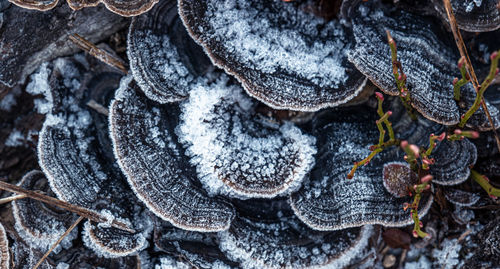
(448, 256)
(283, 56)
(146, 149)
(236, 154)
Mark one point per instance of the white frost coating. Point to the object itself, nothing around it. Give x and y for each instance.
(127, 244)
(162, 66)
(244, 251)
(9, 100)
(56, 162)
(447, 256)
(233, 154)
(15, 139)
(168, 262)
(39, 84)
(248, 34)
(62, 265)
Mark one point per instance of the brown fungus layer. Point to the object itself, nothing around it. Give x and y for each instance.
(147, 152)
(39, 224)
(164, 60)
(126, 8)
(73, 159)
(4, 249)
(460, 197)
(283, 56)
(453, 162)
(330, 201)
(271, 236)
(236, 152)
(428, 63)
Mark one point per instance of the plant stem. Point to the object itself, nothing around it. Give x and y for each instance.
(484, 182)
(482, 88)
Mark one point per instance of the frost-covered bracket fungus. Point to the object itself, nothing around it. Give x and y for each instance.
(283, 56)
(330, 201)
(39, 224)
(76, 166)
(429, 64)
(164, 59)
(4, 249)
(125, 8)
(198, 249)
(453, 160)
(234, 151)
(273, 237)
(25, 46)
(147, 151)
(460, 198)
(473, 15)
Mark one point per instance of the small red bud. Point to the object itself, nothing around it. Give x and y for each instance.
(389, 112)
(427, 187)
(415, 150)
(415, 234)
(404, 143)
(474, 134)
(415, 187)
(486, 178)
(461, 62)
(426, 178)
(457, 131)
(455, 80)
(420, 224)
(493, 55)
(442, 136)
(406, 206)
(493, 197)
(380, 96)
(426, 161)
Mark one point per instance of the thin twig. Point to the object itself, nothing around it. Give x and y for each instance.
(463, 52)
(11, 198)
(98, 107)
(100, 54)
(81, 211)
(58, 241)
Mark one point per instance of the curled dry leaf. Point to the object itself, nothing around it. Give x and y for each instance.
(236, 153)
(146, 149)
(283, 56)
(399, 179)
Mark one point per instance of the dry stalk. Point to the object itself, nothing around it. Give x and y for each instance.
(81, 211)
(470, 70)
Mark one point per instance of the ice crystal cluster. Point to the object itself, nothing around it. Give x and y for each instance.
(229, 141)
